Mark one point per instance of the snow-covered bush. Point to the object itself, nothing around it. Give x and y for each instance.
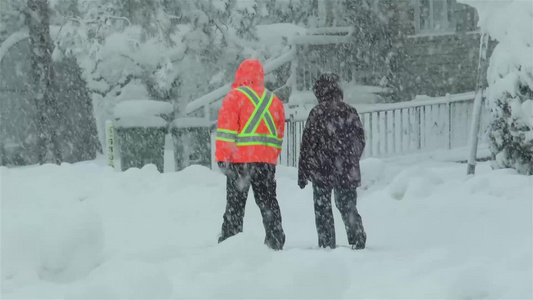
(510, 79)
(165, 50)
(173, 51)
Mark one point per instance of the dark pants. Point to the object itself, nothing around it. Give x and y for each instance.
(261, 176)
(346, 202)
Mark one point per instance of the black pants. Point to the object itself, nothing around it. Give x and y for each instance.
(346, 202)
(261, 176)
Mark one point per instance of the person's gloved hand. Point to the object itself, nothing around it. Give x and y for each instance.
(224, 167)
(302, 182)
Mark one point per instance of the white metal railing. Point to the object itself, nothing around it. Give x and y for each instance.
(402, 128)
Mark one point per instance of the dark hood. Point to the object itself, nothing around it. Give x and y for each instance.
(327, 88)
(250, 73)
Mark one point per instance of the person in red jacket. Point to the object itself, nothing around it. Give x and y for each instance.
(251, 125)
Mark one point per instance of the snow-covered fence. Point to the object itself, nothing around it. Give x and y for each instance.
(403, 128)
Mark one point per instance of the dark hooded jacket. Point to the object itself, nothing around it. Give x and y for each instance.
(333, 140)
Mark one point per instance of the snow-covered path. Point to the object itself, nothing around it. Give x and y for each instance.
(85, 232)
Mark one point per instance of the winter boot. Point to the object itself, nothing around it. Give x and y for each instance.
(360, 242)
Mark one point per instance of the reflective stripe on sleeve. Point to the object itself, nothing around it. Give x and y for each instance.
(226, 135)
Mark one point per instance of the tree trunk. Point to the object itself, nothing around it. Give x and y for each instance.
(41, 46)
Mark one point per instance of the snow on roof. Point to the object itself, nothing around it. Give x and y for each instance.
(142, 122)
(142, 108)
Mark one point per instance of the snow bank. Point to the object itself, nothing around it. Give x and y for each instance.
(413, 183)
(70, 243)
(84, 231)
(372, 172)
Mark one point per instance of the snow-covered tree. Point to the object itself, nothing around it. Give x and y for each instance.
(301, 12)
(77, 126)
(218, 38)
(43, 78)
(510, 80)
(12, 17)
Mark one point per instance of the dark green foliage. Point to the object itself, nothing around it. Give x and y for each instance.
(77, 129)
(142, 146)
(192, 145)
(41, 48)
(508, 136)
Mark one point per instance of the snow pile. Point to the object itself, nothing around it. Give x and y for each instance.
(373, 171)
(510, 78)
(86, 232)
(413, 183)
(139, 108)
(143, 113)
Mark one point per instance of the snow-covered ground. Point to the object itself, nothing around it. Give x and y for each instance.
(85, 231)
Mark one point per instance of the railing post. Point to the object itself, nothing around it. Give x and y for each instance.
(401, 130)
(370, 135)
(379, 134)
(449, 108)
(424, 124)
(411, 127)
(394, 131)
(419, 128)
(386, 130)
(293, 140)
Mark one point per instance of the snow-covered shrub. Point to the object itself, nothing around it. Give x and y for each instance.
(510, 79)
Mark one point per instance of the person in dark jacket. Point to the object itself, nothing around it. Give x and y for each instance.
(332, 144)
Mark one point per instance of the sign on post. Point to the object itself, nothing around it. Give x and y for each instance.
(110, 139)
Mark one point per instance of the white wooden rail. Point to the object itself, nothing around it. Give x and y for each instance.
(403, 128)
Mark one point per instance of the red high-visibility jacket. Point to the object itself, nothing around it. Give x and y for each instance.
(251, 122)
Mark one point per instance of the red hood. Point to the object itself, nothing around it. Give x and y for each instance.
(249, 73)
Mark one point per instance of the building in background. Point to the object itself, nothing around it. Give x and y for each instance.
(394, 51)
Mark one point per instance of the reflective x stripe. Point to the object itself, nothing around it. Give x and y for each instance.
(261, 111)
(259, 140)
(226, 135)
